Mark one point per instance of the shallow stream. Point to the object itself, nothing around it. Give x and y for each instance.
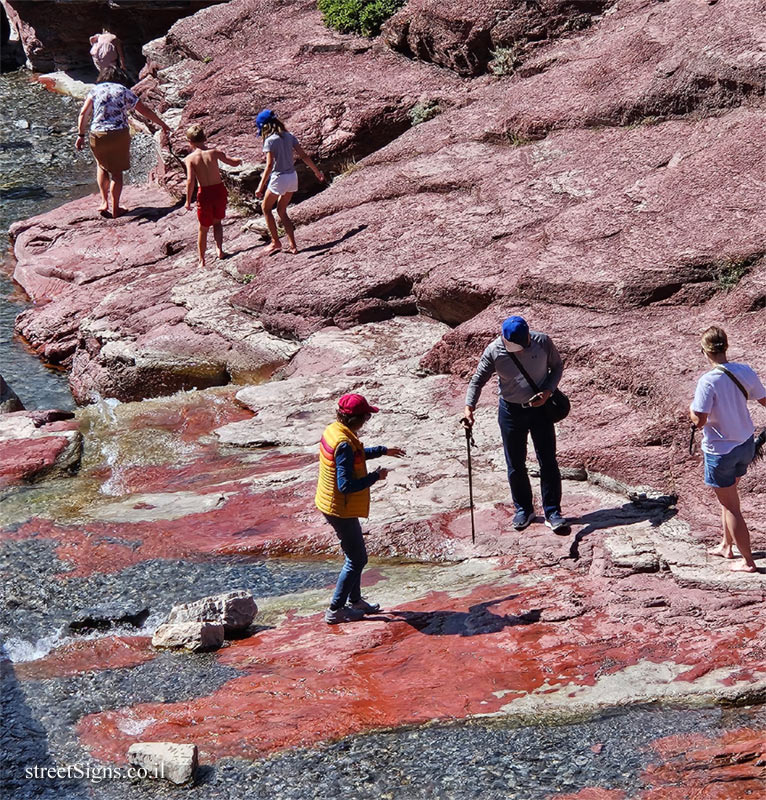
(39, 170)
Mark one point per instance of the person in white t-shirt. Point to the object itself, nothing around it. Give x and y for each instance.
(720, 409)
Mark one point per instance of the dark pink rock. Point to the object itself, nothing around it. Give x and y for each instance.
(344, 96)
(121, 303)
(36, 444)
(464, 36)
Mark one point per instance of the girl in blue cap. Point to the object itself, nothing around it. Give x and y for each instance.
(279, 180)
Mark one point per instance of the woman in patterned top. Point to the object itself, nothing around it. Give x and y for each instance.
(108, 103)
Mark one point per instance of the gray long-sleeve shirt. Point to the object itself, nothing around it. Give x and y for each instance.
(541, 360)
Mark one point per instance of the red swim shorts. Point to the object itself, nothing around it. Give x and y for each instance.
(211, 204)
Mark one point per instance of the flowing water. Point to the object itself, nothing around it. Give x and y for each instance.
(39, 170)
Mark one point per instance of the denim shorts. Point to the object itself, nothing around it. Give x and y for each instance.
(722, 471)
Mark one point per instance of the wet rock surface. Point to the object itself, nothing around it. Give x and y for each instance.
(488, 631)
(36, 444)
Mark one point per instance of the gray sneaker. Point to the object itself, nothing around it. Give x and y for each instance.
(557, 523)
(366, 608)
(523, 519)
(345, 614)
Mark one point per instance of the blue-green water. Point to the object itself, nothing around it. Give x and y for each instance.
(39, 170)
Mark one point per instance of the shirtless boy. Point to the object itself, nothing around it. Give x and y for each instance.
(202, 168)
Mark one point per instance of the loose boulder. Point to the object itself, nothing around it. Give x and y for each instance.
(176, 763)
(192, 636)
(233, 610)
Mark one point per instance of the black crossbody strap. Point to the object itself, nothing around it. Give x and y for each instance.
(524, 372)
(731, 375)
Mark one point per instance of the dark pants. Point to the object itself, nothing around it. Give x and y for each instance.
(349, 532)
(515, 423)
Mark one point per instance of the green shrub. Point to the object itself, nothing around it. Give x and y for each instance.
(358, 16)
(423, 111)
(729, 271)
(504, 61)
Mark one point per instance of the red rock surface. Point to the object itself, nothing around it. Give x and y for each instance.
(32, 448)
(465, 36)
(549, 194)
(732, 767)
(344, 96)
(540, 625)
(393, 667)
(120, 301)
(109, 652)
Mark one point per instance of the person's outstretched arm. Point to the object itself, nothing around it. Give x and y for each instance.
(232, 162)
(344, 471)
(145, 111)
(306, 158)
(82, 120)
(377, 452)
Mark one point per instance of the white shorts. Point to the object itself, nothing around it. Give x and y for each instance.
(283, 183)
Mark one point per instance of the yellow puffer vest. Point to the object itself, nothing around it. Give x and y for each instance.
(328, 499)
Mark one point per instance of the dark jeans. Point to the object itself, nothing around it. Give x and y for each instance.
(515, 423)
(349, 532)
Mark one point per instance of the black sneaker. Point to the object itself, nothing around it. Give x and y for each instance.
(557, 523)
(523, 518)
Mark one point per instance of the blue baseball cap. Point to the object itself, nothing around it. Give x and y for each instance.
(515, 334)
(265, 116)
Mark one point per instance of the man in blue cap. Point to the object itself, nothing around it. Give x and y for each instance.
(521, 412)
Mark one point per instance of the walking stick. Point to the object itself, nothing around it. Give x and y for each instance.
(469, 442)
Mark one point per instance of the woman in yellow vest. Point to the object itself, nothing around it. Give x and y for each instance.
(343, 495)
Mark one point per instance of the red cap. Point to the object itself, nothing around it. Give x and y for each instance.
(356, 404)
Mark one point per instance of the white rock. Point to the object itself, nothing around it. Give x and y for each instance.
(234, 610)
(192, 636)
(176, 763)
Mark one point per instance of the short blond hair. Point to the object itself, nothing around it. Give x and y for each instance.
(195, 133)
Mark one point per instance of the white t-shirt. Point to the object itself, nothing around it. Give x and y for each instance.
(728, 424)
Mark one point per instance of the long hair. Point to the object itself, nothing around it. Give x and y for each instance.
(113, 74)
(715, 340)
(274, 125)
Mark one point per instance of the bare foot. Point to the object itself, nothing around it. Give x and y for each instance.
(221, 254)
(274, 247)
(722, 551)
(743, 567)
(118, 212)
(201, 263)
(293, 249)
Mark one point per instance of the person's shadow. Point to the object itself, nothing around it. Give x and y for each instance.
(626, 514)
(151, 213)
(477, 621)
(321, 249)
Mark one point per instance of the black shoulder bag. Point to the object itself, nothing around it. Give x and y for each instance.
(557, 406)
(760, 440)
